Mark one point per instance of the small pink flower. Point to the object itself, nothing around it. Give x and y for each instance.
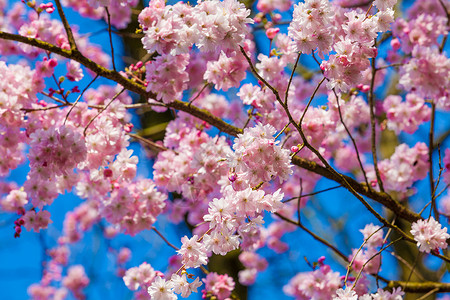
(272, 32)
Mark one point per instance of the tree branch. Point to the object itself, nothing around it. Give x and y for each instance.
(73, 45)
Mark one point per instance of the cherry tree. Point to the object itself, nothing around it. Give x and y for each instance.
(257, 103)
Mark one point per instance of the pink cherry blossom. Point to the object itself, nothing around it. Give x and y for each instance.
(429, 235)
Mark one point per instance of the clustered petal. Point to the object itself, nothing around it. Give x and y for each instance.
(429, 235)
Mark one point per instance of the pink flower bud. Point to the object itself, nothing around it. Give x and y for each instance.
(232, 176)
(107, 173)
(272, 32)
(21, 211)
(365, 88)
(294, 149)
(321, 260)
(395, 44)
(276, 17)
(128, 127)
(52, 63)
(139, 64)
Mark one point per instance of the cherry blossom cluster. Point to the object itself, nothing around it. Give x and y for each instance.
(406, 115)
(421, 31)
(146, 279)
(53, 284)
(219, 286)
(354, 46)
(429, 234)
(243, 188)
(55, 151)
(321, 283)
(174, 29)
(312, 26)
(349, 294)
(404, 167)
(167, 75)
(428, 75)
(258, 157)
(120, 11)
(253, 264)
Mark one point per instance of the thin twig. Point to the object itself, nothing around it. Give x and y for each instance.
(372, 257)
(110, 38)
(351, 138)
(388, 66)
(27, 110)
(109, 103)
(428, 294)
(312, 194)
(356, 254)
(373, 125)
(198, 94)
(315, 236)
(282, 130)
(78, 98)
(154, 146)
(401, 259)
(165, 240)
(309, 101)
(290, 78)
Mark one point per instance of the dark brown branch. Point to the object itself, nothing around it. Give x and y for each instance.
(79, 57)
(73, 45)
(154, 146)
(447, 13)
(430, 161)
(373, 125)
(362, 189)
(110, 38)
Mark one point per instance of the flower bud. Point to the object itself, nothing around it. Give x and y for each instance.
(272, 32)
